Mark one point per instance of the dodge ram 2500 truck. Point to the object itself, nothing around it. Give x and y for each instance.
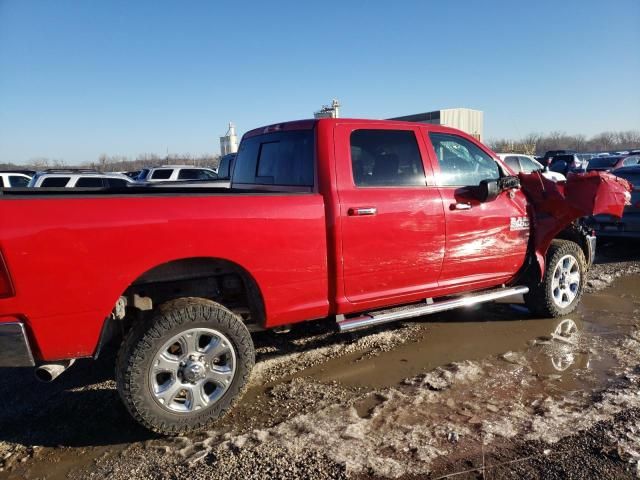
(332, 219)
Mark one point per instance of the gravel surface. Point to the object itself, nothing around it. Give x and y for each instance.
(546, 408)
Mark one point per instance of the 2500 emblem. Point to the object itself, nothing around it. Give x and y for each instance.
(519, 223)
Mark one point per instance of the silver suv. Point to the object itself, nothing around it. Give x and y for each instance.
(79, 179)
(172, 173)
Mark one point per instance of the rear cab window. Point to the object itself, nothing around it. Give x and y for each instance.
(278, 159)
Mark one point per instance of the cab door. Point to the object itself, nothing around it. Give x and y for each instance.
(391, 220)
(486, 243)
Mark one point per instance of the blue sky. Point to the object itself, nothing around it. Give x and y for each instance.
(81, 78)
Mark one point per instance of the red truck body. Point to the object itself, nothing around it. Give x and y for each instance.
(308, 254)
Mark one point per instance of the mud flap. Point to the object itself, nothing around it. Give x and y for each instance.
(555, 205)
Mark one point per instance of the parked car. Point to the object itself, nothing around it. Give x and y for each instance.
(607, 163)
(628, 226)
(335, 219)
(631, 160)
(546, 159)
(527, 164)
(226, 166)
(169, 173)
(566, 163)
(13, 179)
(78, 178)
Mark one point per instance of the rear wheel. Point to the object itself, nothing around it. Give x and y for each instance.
(185, 368)
(562, 285)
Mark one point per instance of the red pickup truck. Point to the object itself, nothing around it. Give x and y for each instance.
(331, 219)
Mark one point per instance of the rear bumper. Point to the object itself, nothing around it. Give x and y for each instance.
(14, 346)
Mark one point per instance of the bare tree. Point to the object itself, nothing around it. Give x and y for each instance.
(539, 144)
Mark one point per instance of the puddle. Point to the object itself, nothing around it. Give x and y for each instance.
(387, 402)
(555, 348)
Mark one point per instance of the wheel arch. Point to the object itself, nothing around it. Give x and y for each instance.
(178, 277)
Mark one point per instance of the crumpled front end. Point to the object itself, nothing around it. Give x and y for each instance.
(555, 205)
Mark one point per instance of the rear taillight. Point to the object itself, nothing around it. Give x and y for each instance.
(6, 287)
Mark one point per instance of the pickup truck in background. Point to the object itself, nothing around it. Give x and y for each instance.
(332, 219)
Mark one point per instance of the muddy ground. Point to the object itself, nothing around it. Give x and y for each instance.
(487, 392)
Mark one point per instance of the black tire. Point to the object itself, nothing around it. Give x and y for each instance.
(541, 299)
(145, 340)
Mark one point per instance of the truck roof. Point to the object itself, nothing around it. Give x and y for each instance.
(308, 124)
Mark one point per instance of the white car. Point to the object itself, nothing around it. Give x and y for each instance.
(13, 179)
(527, 164)
(79, 179)
(173, 173)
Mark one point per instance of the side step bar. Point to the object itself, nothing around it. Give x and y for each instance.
(368, 320)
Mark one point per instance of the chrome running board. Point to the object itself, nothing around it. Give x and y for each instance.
(400, 313)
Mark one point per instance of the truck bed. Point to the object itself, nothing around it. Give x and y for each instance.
(73, 252)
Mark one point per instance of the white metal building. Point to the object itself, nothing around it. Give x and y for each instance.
(465, 119)
(229, 143)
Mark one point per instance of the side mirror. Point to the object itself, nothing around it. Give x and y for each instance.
(487, 191)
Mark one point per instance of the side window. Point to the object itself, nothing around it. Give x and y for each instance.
(161, 174)
(55, 182)
(2, 185)
(117, 182)
(207, 175)
(462, 163)
(89, 182)
(188, 174)
(386, 158)
(512, 162)
(633, 160)
(18, 181)
(528, 165)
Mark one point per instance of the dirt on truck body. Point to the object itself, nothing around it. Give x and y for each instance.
(357, 222)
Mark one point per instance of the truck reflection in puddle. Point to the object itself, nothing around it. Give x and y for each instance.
(573, 353)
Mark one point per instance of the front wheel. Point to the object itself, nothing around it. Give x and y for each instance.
(562, 285)
(183, 369)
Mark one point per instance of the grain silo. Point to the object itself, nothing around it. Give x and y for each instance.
(229, 143)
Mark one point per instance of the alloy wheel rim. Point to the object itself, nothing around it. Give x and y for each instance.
(565, 281)
(192, 370)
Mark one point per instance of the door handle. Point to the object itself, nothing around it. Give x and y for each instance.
(460, 206)
(362, 211)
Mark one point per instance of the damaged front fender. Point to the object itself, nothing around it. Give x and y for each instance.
(553, 206)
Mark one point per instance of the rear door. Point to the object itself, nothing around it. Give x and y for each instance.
(486, 242)
(391, 220)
